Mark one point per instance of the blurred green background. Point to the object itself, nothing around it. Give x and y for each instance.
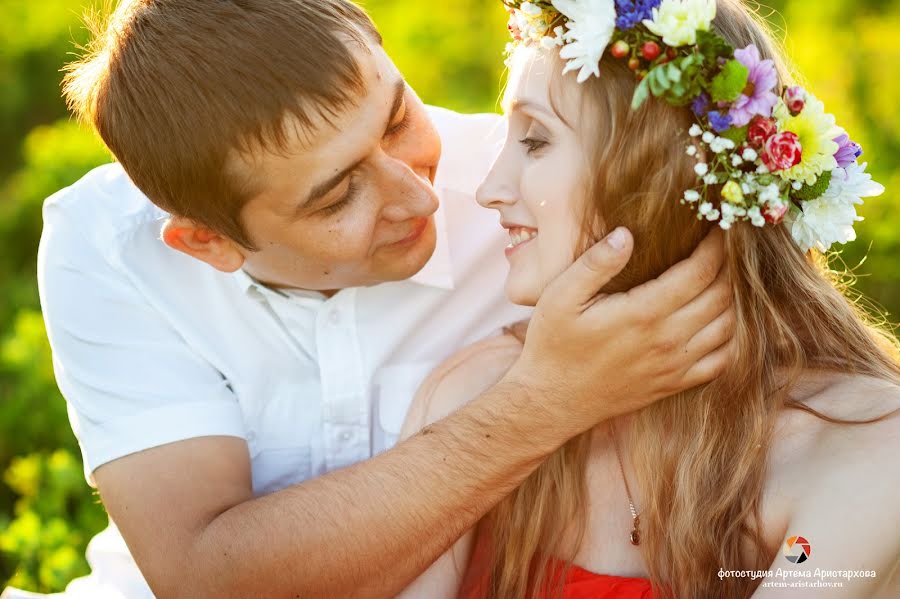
(847, 52)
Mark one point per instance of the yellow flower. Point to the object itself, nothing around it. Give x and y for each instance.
(733, 193)
(816, 130)
(677, 21)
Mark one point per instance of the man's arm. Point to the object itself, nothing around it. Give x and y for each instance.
(186, 509)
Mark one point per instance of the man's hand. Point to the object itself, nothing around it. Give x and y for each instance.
(593, 357)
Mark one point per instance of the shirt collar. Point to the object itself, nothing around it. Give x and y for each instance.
(437, 272)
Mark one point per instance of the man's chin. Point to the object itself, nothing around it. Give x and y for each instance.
(410, 262)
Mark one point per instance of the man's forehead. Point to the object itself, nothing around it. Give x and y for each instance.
(332, 137)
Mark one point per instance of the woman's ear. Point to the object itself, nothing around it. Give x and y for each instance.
(202, 243)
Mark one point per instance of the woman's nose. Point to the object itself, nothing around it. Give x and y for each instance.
(499, 187)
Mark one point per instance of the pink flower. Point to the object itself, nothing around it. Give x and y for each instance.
(795, 99)
(848, 151)
(774, 212)
(782, 151)
(760, 130)
(513, 26)
(757, 97)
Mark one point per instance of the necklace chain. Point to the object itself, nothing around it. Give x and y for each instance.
(635, 536)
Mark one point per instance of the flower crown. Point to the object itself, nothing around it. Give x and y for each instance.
(771, 158)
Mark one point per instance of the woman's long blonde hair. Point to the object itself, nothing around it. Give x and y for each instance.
(699, 456)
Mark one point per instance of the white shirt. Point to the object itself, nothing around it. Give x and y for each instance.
(151, 346)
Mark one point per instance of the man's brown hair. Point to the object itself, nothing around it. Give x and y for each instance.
(175, 87)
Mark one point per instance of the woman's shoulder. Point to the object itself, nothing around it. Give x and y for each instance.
(833, 479)
(861, 425)
(461, 378)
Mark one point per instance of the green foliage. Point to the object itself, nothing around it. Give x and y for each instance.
(728, 84)
(451, 54)
(53, 520)
(811, 192)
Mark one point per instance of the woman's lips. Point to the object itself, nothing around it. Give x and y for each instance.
(518, 237)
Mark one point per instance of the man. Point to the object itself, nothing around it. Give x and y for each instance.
(237, 386)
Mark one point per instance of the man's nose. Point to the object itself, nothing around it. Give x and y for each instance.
(407, 191)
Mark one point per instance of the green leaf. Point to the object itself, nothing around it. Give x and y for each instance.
(673, 72)
(640, 94)
(736, 134)
(810, 192)
(730, 82)
(659, 83)
(712, 46)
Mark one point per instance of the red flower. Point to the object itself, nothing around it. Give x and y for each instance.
(782, 151)
(795, 99)
(760, 130)
(774, 213)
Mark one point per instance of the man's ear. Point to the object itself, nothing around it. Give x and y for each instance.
(202, 243)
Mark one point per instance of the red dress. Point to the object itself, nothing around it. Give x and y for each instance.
(579, 583)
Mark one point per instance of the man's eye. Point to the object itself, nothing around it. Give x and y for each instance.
(345, 200)
(532, 145)
(400, 127)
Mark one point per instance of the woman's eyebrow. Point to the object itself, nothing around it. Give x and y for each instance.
(529, 105)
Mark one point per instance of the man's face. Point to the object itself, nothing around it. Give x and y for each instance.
(349, 205)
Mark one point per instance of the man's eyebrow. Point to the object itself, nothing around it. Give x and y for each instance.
(321, 190)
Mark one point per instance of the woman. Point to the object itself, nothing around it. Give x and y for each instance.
(787, 458)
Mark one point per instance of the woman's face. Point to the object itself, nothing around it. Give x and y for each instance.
(538, 182)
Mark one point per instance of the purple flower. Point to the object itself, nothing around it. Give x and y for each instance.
(700, 104)
(631, 12)
(757, 97)
(848, 151)
(719, 121)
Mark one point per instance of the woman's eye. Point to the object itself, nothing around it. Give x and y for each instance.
(532, 144)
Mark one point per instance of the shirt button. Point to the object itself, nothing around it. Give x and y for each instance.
(335, 316)
(346, 436)
(251, 436)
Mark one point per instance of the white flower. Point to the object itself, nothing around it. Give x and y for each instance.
(695, 130)
(769, 194)
(711, 179)
(677, 21)
(590, 27)
(851, 184)
(762, 169)
(548, 42)
(797, 185)
(749, 155)
(691, 195)
(708, 137)
(736, 160)
(829, 218)
(532, 10)
(823, 222)
(701, 169)
(756, 217)
(692, 150)
(720, 144)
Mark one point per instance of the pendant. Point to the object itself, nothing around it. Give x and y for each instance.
(635, 536)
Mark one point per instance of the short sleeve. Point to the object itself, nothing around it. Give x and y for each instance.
(129, 379)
